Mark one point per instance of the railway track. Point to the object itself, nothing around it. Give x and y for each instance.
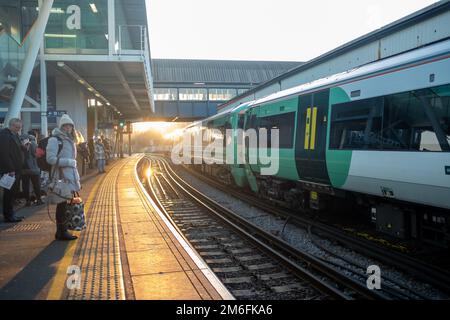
(251, 262)
(428, 273)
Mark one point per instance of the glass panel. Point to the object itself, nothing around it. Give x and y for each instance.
(285, 124)
(193, 94)
(417, 120)
(78, 28)
(241, 91)
(165, 94)
(127, 32)
(357, 125)
(221, 94)
(10, 19)
(408, 125)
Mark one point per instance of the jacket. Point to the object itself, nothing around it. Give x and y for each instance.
(30, 165)
(99, 151)
(67, 159)
(12, 157)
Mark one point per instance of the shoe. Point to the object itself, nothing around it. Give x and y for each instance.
(28, 203)
(39, 202)
(13, 219)
(65, 236)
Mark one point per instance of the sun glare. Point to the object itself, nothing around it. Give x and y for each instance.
(147, 126)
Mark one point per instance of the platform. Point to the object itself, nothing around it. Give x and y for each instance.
(129, 250)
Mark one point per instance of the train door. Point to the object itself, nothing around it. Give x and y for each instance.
(312, 137)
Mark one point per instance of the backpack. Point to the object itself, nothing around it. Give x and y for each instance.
(41, 153)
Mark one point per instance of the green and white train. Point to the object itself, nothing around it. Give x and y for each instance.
(377, 136)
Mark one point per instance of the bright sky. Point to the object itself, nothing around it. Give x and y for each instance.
(285, 30)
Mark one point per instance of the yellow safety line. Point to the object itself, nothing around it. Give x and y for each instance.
(313, 130)
(57, 287)
(308, 127)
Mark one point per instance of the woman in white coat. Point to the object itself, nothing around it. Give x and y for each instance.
(67, 167)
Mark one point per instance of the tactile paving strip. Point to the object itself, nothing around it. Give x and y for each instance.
(98, 254)
(23, 228)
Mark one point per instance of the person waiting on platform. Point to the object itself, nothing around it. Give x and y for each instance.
(100, 155)
(107, 146)
(67, 167)
(31, 171)
(11, 162)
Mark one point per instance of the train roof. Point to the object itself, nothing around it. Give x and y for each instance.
(430, 51)
(427, 52)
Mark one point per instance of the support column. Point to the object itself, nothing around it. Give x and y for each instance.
(26, 119)
(96, 118)
(30, 59)
(129, 142)
(111, 27)
(43, 81)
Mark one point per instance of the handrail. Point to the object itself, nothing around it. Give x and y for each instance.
(144, 52)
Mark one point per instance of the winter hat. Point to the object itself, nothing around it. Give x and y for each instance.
(65, 119)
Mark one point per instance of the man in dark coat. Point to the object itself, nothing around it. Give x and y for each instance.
(11, 162)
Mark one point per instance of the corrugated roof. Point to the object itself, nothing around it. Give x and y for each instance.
(218, 71)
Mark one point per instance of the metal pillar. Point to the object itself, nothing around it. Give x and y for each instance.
(43, 81)
(129, 142)
(96, 131)
(111, 27)
(121, 143)
(30, 59)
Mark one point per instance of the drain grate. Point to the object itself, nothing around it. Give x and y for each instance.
(23, 228)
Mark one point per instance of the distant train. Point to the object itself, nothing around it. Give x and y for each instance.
(377, 136)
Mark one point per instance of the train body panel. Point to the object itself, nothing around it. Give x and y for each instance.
(338, 161)
(418, 177)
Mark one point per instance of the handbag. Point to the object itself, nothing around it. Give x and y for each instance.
(74, 214)
(59, 189)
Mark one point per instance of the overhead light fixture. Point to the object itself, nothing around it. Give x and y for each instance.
(199, 83)
(90, 89)
(56, 10)
(57, 35)
(93, 7)
(81, 81)
(61, 64)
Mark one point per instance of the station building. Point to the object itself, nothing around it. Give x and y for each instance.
(90, 59)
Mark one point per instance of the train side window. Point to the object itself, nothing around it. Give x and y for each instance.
(249, 124)
(285, 123)
(241, 121)
(357, 125)
(417, 120)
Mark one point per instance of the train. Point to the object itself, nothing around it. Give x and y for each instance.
(376, 137)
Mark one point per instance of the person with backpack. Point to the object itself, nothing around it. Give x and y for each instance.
(31, 172)
(11, 162)
(61, 154)
(100, 155)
